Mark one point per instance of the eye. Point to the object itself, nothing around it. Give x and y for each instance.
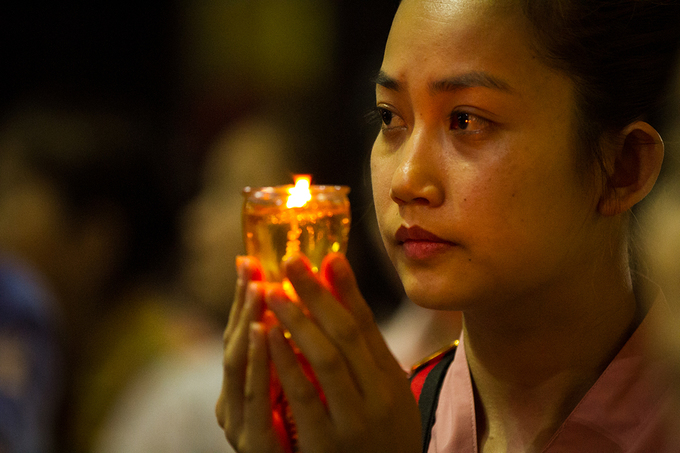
(385, 115)
(463, 121)
(389, 119)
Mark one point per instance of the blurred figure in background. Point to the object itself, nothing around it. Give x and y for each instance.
(30, 362)
(88, 200)
(170, 406)
(254, 151)
(659, 240)
(660, 218)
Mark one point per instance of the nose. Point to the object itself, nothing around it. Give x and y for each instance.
(418, 178)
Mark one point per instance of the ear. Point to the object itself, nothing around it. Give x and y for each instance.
(636, 166)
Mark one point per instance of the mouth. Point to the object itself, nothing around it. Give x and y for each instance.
(419, 244)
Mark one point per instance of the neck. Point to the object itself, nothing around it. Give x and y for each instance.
(532, 365)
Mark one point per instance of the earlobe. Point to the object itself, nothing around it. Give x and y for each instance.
(636, 166)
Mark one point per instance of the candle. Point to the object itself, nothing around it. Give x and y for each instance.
(282, 220)
(279, 222)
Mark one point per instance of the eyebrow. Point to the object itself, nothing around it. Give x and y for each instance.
(468, 80)
(386, 81)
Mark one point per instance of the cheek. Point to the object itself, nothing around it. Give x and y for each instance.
(495, 199)
(377, 176)
(527, 207)
(487, 189)
(381, 179)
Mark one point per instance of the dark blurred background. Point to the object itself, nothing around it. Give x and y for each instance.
(192, 70)
(198, 66)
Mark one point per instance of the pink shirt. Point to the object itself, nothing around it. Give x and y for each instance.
(625, 410)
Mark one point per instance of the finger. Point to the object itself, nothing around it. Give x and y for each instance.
(310, 415)
(386, 390)
(257, 411)
(329, 365)
(248, 269)
(239, 295)
(335, 320)
(338, 274)
(257, 403)
(230, 405)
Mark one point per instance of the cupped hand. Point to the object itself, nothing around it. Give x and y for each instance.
(369, 406)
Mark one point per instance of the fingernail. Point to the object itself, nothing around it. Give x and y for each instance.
(240, 267)
(275, 296)
(333, 266)
(298, 264)
(337, 263)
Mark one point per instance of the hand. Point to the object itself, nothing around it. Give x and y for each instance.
(244, 407)
(370, 407)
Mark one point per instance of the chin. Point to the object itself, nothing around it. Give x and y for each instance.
(430, 295)
(427, 298)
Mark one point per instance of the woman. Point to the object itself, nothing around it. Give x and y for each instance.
(513, 146)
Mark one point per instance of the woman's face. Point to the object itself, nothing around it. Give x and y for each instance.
(475, 172)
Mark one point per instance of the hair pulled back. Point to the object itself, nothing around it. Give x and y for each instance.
(621, 55)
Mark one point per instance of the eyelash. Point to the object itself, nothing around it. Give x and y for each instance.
(378, 115)
(467, 118)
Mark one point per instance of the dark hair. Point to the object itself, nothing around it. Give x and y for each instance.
(621, 55)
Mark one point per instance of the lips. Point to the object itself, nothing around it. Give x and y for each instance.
(419, 244)
(415, 233)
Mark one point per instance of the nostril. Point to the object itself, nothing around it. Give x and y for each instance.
(396, 199)
(420, 200)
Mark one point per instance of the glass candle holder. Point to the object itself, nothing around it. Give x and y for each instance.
(283, 220)
(274, 228)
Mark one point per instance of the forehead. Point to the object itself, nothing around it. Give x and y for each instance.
(436, 39)
(438, 15)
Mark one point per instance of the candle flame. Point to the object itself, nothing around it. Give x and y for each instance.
(300, 194)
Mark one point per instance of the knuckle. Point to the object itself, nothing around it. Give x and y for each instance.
(221, 416)
(366, 319)
(249, 395)
(236, 438)
(303, 394)
(231, 434)
(231, 368)
(242, 444)
(330, 362)
(233, 362)
(348, 332)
